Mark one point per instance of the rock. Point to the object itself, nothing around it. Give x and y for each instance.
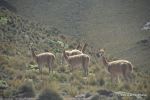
(146, 26)
(100, 95)
(86, 95)
(105, 93)
(94, 97)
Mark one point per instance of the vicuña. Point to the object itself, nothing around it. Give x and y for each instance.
(78, 60)
(44, 58)
(115, 68)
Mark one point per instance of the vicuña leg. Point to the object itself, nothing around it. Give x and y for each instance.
(49, 65)
(125, 76)
(84, 65)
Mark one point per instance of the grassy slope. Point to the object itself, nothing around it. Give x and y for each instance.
(16, 57)
(114, 25)
(16, 34)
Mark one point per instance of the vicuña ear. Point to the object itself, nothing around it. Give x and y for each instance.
(85, 44)
(104, 49)
(100, 49)
(84, 47)
(78, 46)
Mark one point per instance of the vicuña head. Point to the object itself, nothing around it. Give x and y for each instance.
(117, 67)
(78, 60)
(44, 58)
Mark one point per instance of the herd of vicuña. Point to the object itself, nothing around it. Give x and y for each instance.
(77, 58)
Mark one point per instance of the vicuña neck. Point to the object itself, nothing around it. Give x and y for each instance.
(65, 56)
(33, 55)
(105, 62)
(83, 49)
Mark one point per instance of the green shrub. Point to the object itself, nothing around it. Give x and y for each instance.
(3, 20)
(31, 75)
(62, 77)
(72, 90)
(91, 79)
(32, 67)
(48, 94)
(62, 69)
(9, 92)
(3, 84)
(3, 60)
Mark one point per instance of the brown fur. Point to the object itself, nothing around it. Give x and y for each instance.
(70, 53)
(77, 60)
(74, 52)
(115, 68)
(44, 58)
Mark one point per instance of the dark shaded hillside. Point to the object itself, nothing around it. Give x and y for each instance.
(4, 3)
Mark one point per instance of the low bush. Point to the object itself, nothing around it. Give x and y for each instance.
(3, 84)
(72, 91)
(49, 94)
(26, 90)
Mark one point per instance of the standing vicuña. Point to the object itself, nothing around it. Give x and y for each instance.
(78, 60)
(44, 58)
(74, 51)
(115, 68)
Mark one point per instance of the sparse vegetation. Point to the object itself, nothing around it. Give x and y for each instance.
(20, 74)
(3, 20)
(3, 86)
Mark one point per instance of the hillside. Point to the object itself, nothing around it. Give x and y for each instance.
(21, 32)
(47, 26)
(114, 25)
